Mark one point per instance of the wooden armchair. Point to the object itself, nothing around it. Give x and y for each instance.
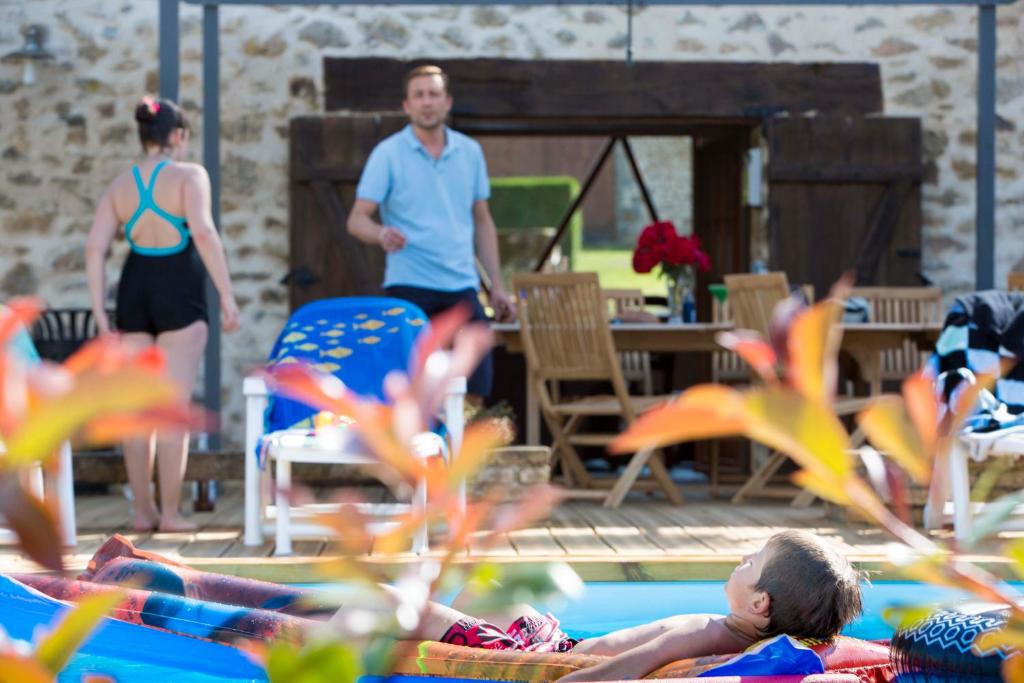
(753, 299)
(565, 333)
(901, 305)
(1015, 281)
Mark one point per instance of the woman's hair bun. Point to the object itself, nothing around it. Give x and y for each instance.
(146, 110)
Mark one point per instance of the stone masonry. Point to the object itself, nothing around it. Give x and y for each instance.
(64, 138)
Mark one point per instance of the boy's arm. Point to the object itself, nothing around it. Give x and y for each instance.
(678, 643)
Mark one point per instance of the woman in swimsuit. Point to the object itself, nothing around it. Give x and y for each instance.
(164, 205)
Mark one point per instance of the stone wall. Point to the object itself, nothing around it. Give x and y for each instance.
(63, 139)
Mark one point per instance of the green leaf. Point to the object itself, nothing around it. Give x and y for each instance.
(806, 430)
(1015, 551)
(56, 649)
(901, 617)
(317, 662)
(995, 513)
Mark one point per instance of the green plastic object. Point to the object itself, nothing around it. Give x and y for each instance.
(719, 291)
(535, 203)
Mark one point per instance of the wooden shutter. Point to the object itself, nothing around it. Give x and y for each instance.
(327, 157)
(845, 194)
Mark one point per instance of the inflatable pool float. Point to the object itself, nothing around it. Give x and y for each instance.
(173, 600)
(941, 647)
(24, 609)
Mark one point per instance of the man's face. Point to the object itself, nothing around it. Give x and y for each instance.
(426, 102)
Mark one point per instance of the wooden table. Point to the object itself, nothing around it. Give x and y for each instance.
(863, 341)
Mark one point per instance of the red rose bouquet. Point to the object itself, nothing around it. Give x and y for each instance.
(660, 245)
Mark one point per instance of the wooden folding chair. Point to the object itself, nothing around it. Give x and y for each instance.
(636, 365)
(726, 368)
(753, 299)
(565, 333)
(901, 305)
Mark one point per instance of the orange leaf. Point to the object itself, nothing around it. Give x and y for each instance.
(93, 395)
(531, 508)
(889, 426)
(1013, 669)
(326, 392)
(33, 522)
(349, 525)
(442, 330)
(923, 407)
(705, 411)
(17, 316)
(110, 352)
(113, 428)
(812, 345)
(15, 669)
(757, 353)
(319, 390)
(478, 440)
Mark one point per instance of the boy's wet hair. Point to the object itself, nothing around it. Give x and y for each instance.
(814, 590)
(157, 119)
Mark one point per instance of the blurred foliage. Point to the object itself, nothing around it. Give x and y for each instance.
(791, 410)
(367, 636)
(104, 392)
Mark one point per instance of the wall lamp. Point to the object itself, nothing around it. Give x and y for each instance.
(29, 54)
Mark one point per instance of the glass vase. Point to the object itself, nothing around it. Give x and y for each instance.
(680, 290)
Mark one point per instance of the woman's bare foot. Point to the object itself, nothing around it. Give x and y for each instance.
(176, 523)
(146, 520)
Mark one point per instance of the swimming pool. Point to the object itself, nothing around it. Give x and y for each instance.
(604, 607)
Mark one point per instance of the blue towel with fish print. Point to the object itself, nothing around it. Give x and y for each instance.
(359, 340)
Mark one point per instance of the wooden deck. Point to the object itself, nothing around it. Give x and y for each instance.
(646, 539)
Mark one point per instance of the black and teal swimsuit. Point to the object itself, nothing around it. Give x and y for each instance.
(161, 288)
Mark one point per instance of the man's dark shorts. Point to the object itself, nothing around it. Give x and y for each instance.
(432, 302)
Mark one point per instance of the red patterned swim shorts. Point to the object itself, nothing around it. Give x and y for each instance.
(530, 633)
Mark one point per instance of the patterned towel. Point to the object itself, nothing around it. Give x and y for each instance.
(981, 329)
(357, 339)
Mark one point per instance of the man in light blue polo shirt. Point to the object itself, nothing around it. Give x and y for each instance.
(430, 184)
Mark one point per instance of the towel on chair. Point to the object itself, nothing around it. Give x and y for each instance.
(980, 330)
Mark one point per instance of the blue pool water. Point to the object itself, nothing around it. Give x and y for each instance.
(604, 607)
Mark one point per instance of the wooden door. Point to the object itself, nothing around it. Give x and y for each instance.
(719, 218)
(327, 158)
(845, 194)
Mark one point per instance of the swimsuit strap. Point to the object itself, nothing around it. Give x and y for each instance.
(146, 203)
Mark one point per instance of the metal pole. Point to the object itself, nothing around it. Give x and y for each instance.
(211, 160)
(169, 50)
(985, 203)
(648, 202)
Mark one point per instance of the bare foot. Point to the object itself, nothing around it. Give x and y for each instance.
(176, 523)
(146, 521)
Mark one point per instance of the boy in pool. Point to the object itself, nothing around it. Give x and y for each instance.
(796, 585)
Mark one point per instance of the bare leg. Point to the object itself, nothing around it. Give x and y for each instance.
(436, 622)
(138, 460)
(463, 603)
(183, 349)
